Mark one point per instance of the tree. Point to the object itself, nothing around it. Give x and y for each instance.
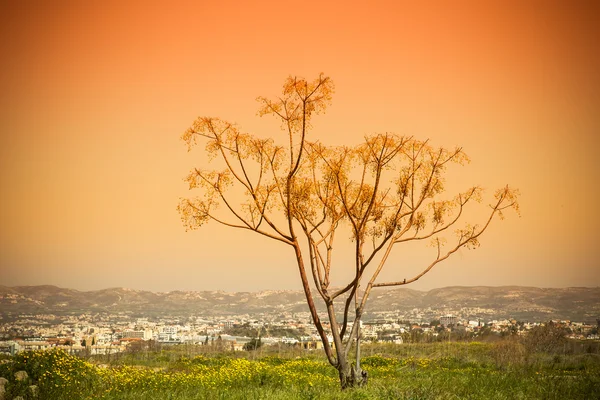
(253, 344)
(382, 193)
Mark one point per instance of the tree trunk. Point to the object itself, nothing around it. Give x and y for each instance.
(351, 377)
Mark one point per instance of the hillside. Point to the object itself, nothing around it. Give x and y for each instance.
(527, 303)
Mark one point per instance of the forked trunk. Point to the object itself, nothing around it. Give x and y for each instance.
(351, 377)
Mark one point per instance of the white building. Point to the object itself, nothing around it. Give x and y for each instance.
(146, 334)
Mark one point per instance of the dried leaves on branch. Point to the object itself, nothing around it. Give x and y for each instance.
(386, 191)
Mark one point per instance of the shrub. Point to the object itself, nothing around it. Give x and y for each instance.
(548, 338)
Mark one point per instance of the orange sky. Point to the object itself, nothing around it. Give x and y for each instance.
(95, 95)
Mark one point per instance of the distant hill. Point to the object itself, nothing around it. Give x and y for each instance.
(525, 303)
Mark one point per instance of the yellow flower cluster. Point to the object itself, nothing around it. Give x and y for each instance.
(224, 374)
(63, 372)
(56, 369)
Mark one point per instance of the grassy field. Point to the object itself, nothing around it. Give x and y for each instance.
(501, 370)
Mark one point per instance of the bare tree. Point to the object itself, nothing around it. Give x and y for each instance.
(386, 191)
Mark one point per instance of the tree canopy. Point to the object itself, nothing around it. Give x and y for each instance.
(386, 191)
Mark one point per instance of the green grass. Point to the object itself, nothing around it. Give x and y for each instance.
(425, 371)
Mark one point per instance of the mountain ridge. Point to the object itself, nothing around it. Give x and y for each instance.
(524, 302)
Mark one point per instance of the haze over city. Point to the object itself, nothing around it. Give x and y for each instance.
(95, 97)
